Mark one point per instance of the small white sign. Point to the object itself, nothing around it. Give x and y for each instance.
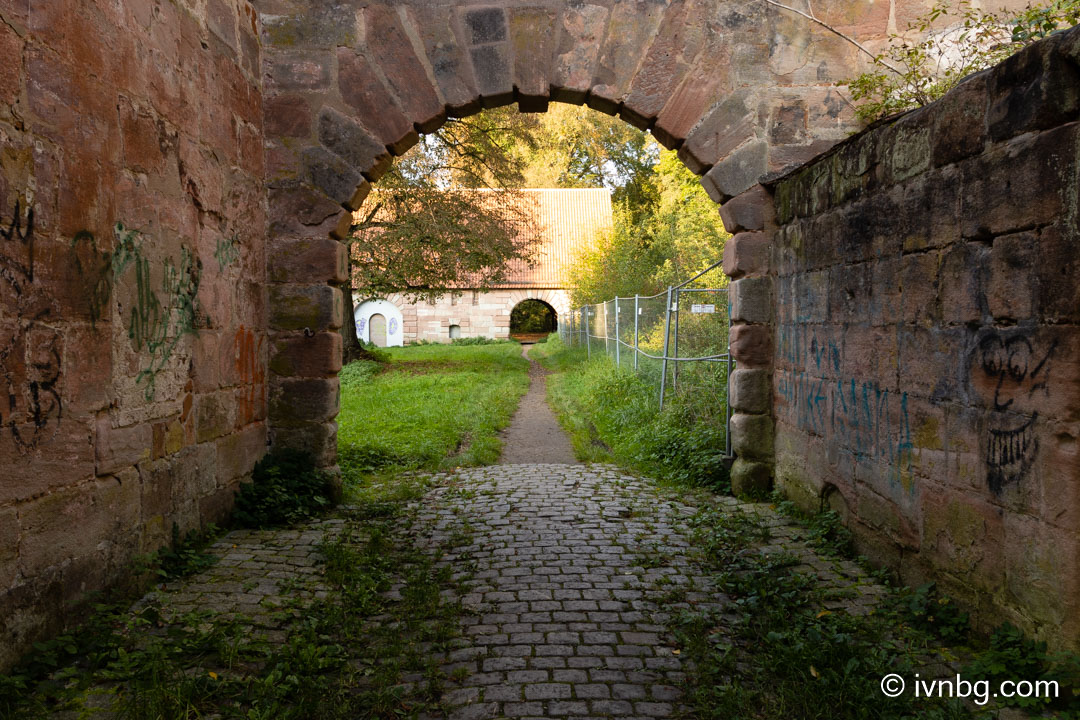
(702, 308)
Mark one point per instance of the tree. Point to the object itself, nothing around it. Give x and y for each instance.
(946, 44)
(447, 213)
(660, 244)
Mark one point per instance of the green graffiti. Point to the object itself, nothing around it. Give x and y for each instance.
(160, 316)
(227, 251)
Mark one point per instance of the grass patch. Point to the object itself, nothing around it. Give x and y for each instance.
(431, 407)
(612, 414)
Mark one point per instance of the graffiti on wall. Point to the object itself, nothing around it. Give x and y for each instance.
(162, 311)
(30, 350)
(226, 251)
(859, 414)
(1010, 372)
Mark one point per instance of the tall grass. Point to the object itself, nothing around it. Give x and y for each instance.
(612, 414)
(430, 407)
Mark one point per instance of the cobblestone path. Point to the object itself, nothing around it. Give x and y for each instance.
(574, 573)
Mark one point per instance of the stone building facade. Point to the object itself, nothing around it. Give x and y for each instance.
(566, 221)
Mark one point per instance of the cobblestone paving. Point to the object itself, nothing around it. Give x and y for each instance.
(573, 572)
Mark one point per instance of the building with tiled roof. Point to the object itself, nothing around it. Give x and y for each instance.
(565, 222)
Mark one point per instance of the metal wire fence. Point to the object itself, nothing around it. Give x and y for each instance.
(676, 341)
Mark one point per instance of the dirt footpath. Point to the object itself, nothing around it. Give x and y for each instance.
(534, 435)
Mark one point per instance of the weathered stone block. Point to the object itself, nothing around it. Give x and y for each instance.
(320, 439)
(533, 37)
(1017, 185)
(312, 308)
(961, 293)
(376, 109)
(730, 125)
(299, 73)
(287, 116)
(1058, 267)
(393, 52)
(752, 300)
(117, 448)
(486, 25)
(750, 391)
(449, 66)
(213, 416)
(492, 71)
(1010, 294)
(327, 26)
(746, 254)
(302, 211)
(238, 452)
(301, 356)
(751, 345)
(1035, 89)
(575, 62)
(298, 401)
(352, 143)
(752, 436)
(307, 260)
(330, 174)
(750, 210)
(959, 125)
(753, 479)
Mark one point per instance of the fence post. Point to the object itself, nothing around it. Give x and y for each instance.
(667, 328)
(618, 359)
(635, 332)
(588, 339)
(675, 370)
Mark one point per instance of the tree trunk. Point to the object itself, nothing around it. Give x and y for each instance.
(351, 349)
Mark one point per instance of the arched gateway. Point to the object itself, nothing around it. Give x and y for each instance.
(741, 89)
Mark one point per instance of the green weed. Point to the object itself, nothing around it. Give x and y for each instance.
(613, 414)
(285, 488)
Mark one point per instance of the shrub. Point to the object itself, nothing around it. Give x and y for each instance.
(285, 488)
(480, 340)
(358, 372)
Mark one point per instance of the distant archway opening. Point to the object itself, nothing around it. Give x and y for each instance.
(531, 320)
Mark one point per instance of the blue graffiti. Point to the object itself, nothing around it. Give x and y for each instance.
(815, 397)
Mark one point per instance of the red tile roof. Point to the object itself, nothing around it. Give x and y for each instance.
(567, 221)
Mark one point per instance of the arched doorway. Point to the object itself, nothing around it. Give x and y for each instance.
(377, 330)
(341, 104)
(532, 320)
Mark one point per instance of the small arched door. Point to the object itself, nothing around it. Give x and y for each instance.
(377, 329)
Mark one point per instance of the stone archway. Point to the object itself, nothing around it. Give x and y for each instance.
(348, 87)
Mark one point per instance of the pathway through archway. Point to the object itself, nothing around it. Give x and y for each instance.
(534, 435)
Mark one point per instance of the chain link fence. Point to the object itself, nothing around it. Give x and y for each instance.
(677, 341)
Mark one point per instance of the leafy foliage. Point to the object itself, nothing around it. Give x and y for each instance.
(613, 414)
(285, 488)
(946, 44)
(655, 245)
(928, 610)
(1012, 656)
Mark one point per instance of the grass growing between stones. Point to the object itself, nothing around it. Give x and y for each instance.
(367, 643)
(612, 414)
(431, 407)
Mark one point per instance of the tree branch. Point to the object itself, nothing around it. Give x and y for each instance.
(830, 28)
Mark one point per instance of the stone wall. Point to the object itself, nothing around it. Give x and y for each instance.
(478, 314)
(132, 308)
(927, 340)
